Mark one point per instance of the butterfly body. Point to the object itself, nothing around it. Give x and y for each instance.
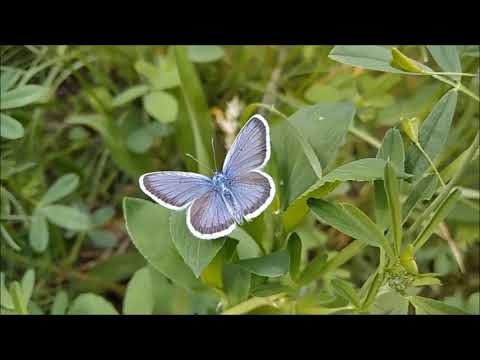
(239, 191)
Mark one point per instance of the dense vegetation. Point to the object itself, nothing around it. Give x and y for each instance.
(375, 154)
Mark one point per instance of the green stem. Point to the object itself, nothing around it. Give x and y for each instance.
(373, 291)
(365, 137)
(446, 190)
(252, 304)
(458, 86)
(430, 162)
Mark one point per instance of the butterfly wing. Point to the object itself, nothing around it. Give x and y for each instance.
(208, 216)
(254, 191)
(251, 148)
(174, 189)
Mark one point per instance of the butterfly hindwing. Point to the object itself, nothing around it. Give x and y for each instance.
(208, 216)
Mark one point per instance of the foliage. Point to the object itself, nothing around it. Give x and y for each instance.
(374, 153)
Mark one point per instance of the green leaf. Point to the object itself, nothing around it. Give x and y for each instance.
(19, 303)
(236, 283)
(271, 265)
(324, 126)
(8, 77)
(196, 253)
(294, 156)
(161, 106)
(91, 304)
(433, 135)
(349, 220)
(247, 246)
(447, 58)
(371, 57)
(205, 53)
(28, 281)
(60, 303)
(390, 303)
(67, 217)
(139, 298)
(129, 95)
(21, 96)
(426, 306)
(294, 247)
(313, 268)
(10, 128)
(392, 149)
(39, 234)
(318, 93)
(103, 215)
(393, 200)
(438, 216)
(60, 188)
(5, 297)
(8, 239)
(148, 227)
(423, 190)
(140, 140)
(197, 108)
(346, 291)
(102, 238)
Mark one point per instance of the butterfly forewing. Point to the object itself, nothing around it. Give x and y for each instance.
(174, 189)
(250, 150)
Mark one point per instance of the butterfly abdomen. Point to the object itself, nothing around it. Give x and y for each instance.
(233, 206)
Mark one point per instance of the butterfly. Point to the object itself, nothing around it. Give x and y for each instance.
(240, 191)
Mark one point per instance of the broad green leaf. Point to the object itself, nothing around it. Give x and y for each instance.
(60, 188)
(204, 53)
(390, 303)
(324, 126)
(196, 253)
(5, 298)
(161, 106)
(39, 234)
(8, 239)
(349, 220)
(148, 227)
(8, 77)
(447, 58)
(426, 306)
(393, 200)
(294, 156)
(60, 303)
(103, 215)
(21, 96)
(139, 298)
(371, 57)
(140, 140)
(28, 281)
(129, 95)
(433, 135)
(247, 246)
(392, 149)
(346, 291)
(213, 273)
(271, 265)
(321, 93)
(67, 217)
(197, 107)
(102, 238)
(294, 247)
(236, 283)
(162, 76)
(91, 304)
(423, 190)
(10, 128)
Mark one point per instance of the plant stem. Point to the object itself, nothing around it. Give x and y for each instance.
(458, 86)
(430, 162)
(365, 137)
(446, 190)
(252, 304)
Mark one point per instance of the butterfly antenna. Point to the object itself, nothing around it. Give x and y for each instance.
(214, 157)
(199, 162)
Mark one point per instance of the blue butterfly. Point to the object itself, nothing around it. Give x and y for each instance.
(215, 205)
